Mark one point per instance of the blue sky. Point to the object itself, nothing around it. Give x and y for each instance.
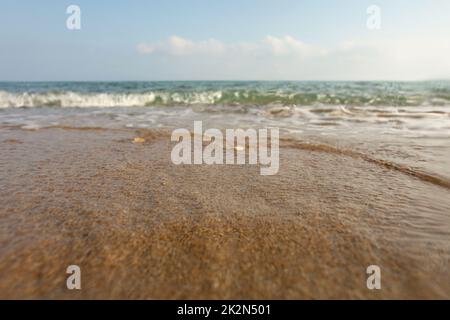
(224, 39)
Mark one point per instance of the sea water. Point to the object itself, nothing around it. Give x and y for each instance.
(407, 123)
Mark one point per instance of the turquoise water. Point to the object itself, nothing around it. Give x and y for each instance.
(138, 94)
(404, 122)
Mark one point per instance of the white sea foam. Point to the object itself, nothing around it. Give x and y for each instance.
(100, 100)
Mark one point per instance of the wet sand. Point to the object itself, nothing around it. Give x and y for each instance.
(142, 228)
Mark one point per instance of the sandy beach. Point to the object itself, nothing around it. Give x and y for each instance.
(140, 227)
(255, 154)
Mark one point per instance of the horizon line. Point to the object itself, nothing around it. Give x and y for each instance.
(225, 80)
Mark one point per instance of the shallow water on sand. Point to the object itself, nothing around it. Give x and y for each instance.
(141, 227)
(416, 137)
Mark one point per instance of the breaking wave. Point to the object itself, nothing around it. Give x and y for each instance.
(217, 96)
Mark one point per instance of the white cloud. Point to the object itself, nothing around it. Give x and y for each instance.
(287, 45)
(178, 46)
(289, 58)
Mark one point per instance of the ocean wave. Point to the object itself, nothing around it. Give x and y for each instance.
(209, 97)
